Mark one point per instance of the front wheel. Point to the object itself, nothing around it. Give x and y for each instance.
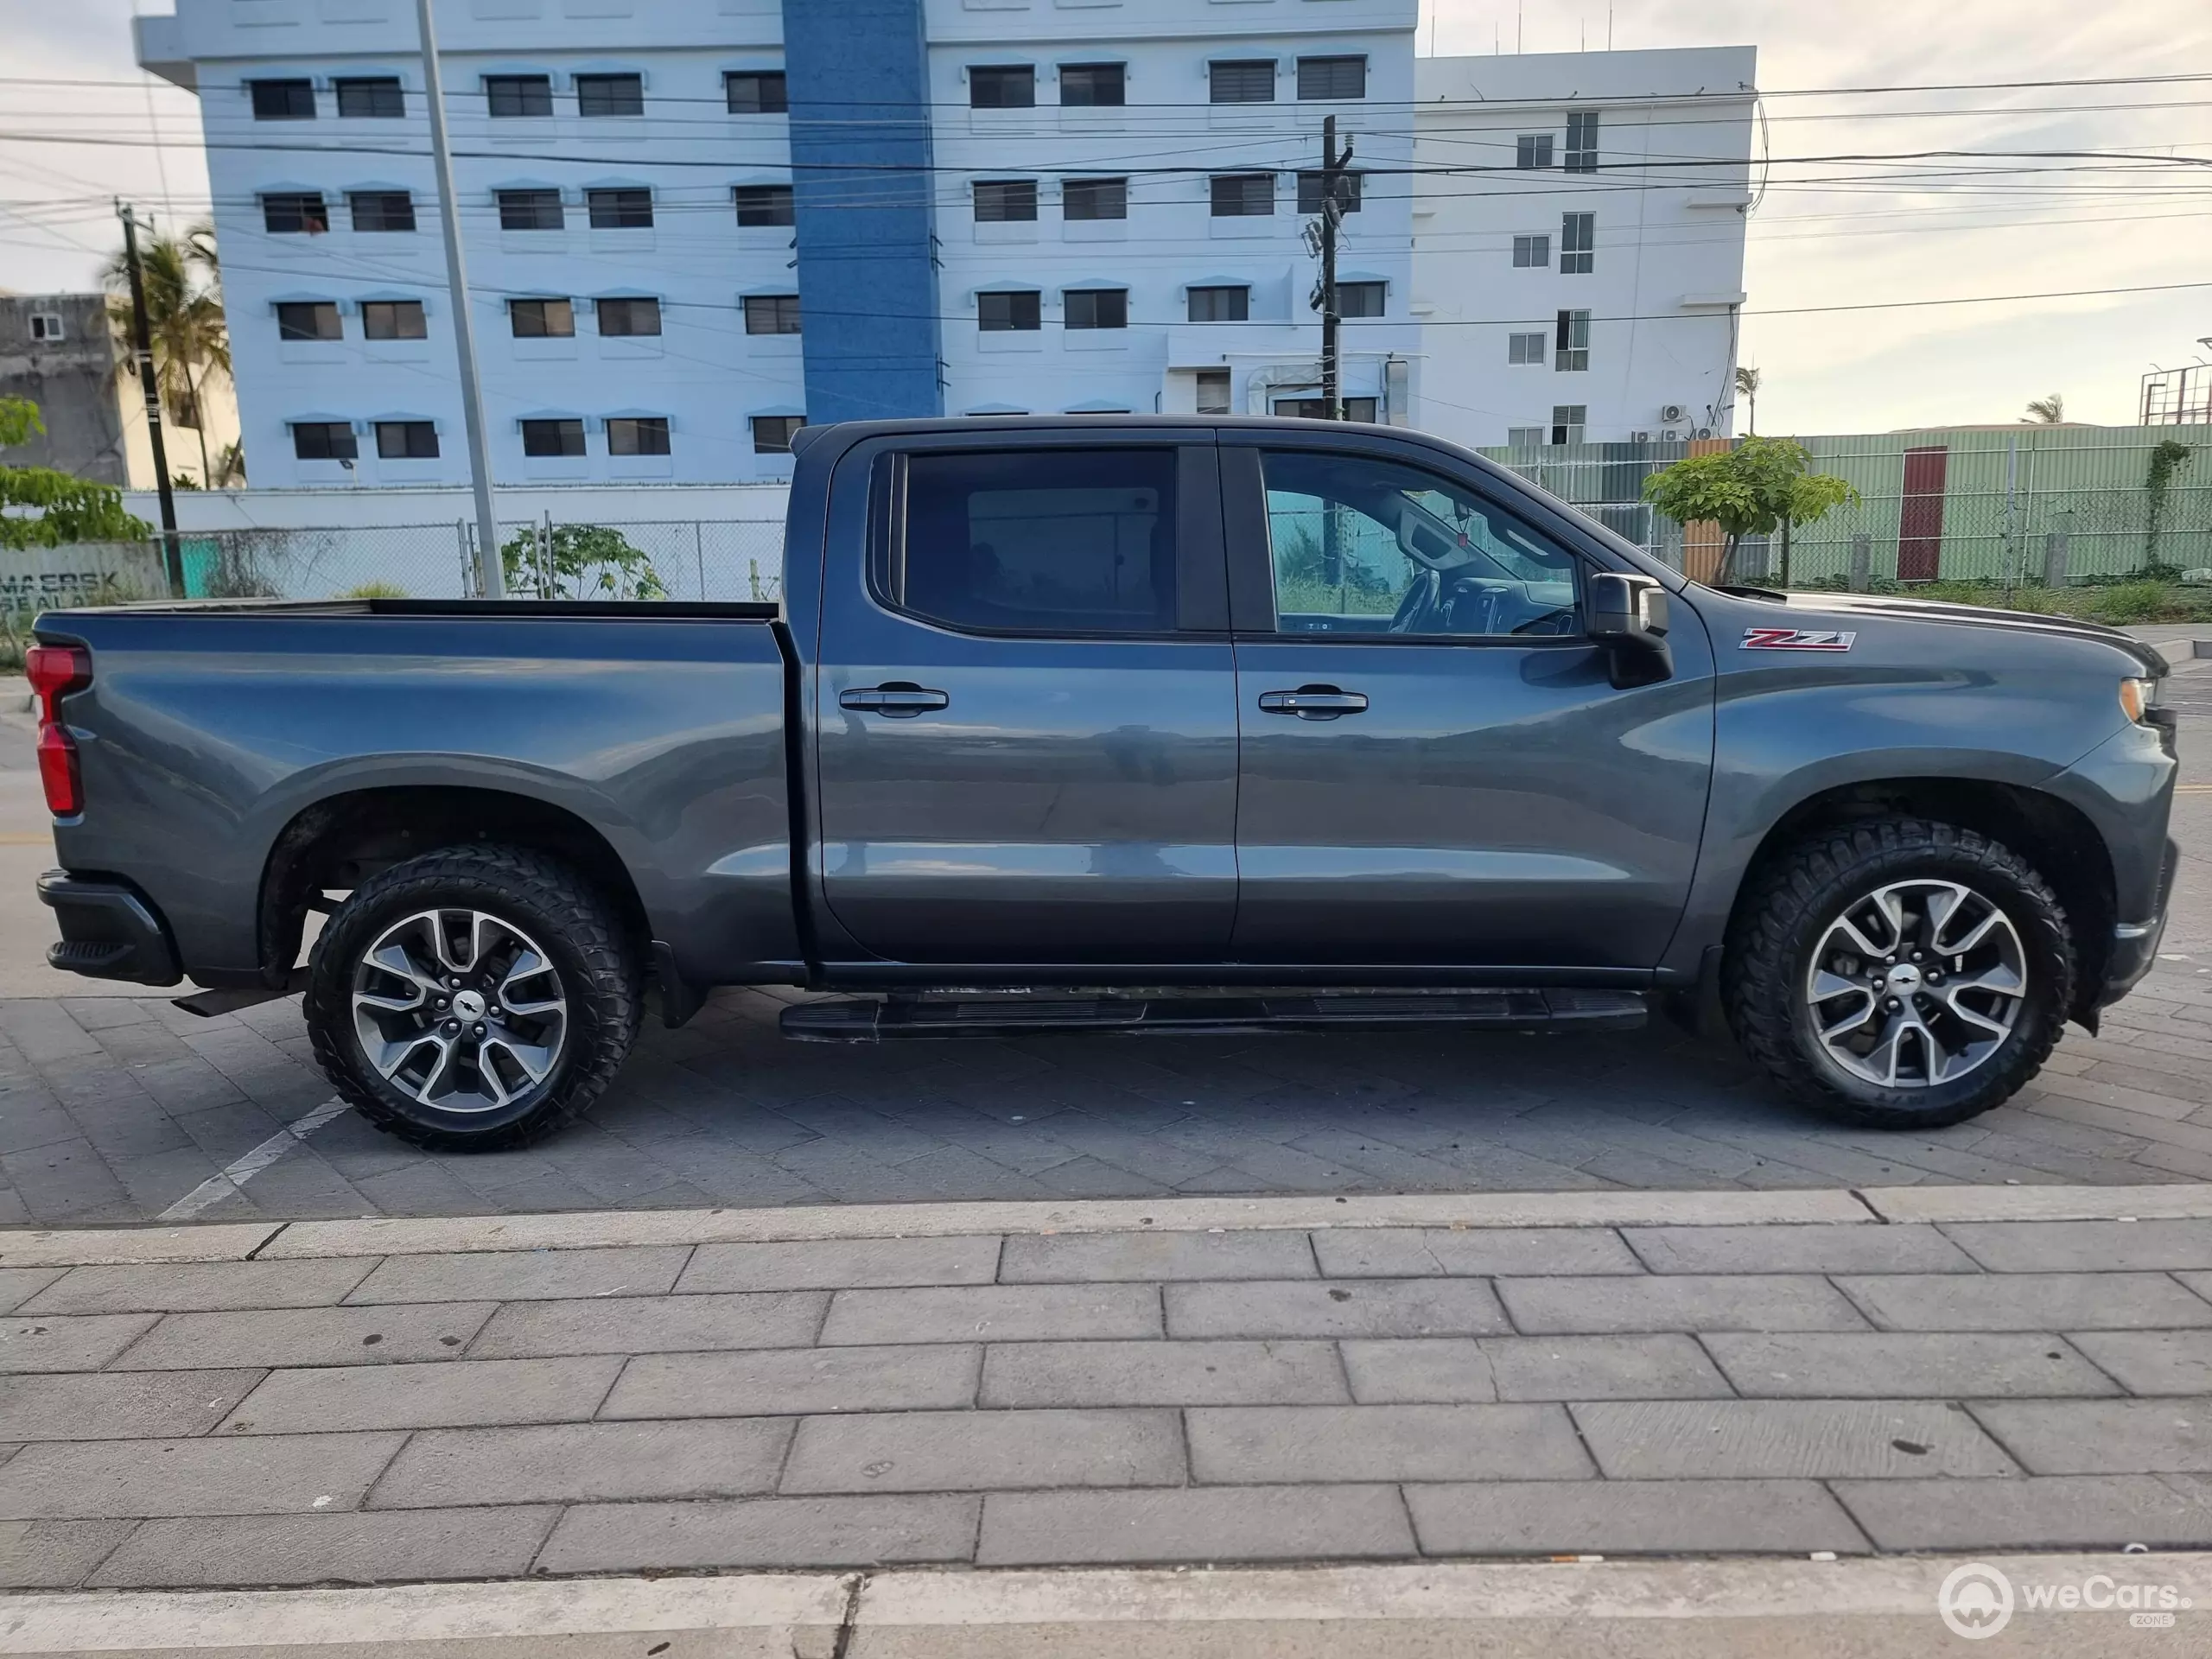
(474, 998)
(1899, 973)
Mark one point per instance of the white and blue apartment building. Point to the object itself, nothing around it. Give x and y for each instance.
(692, 226)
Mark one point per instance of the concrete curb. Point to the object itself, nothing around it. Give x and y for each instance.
(105, 1246)
(2185, 1201)
(1772, 1609)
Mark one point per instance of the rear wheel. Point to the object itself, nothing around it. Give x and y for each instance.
(1899, 973)
(473, 998)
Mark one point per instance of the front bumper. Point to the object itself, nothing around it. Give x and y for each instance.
(109, 931)
(2135, 944)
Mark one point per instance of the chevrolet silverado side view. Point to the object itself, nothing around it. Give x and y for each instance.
(1121, 724)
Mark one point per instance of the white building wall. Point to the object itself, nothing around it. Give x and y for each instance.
(1669, 199)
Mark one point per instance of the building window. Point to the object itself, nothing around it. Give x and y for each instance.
(542, 319)
(372, 98)
(771, 314)
(1087, 199)
(1001, 86)
(46, 328)
(1582, 143)
(184, 411)
(507, 97)
(1097, 307)
(1213, 392)
(323, 440)
(308, 320)
(407, 441)
(1315, 408)
(1014, 312)
(382, 210)
(637, 435)
(625, 209)
(1571, 341)
(1524, 437)
(1243, 195)
(1360, 299)
(552, 438)
(282, 100)
(1525, 349)
(1221, 304)
(619, 318)
(756, 91)
(393, 320)
(760, 204)
(1577, 243)
(1568, 421)
(1530, 251)
(610, 95)
(1332, 77)
(1532, 150)
(300, 213)
(1348, 192)
(1005, 200)
(531, 210)
(772, 434)
(1093, 86)
(1241, 81)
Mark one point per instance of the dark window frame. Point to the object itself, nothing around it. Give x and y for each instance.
(1094, 193)
(1239, 80)
(1353, 187)
(614, 207)
(523, 210)
(560, 428)
(283, 97)
(648, 434)
(1364, 291)
(528, 97)
(286, 332)
(517, 311)
(1000, 202)
(1020, 303)
(769, 93)
(409, 432)
(399, 310)
(336, 440)
(1095, 78)
(390, 213)
(1001, 78)
(1581, 156)
(310, 208)
(384, 95)
(1096, 303)
(778, 311)
(1242, 304)
(1535, 152)
(1239, 191)
(765, 206)
(1571, 341)
(1320, 79)
(624, 309)
(1577, 243)
(621, 94)
(783, 425)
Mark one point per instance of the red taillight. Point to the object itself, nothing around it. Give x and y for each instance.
(53, 671)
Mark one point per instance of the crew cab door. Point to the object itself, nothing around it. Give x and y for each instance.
(1437, 768)
(1025, 702)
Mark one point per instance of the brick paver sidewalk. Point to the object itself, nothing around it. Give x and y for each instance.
(1198, 1381)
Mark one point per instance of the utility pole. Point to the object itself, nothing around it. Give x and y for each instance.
(142, 345)
(489, 582)
(1333, 212)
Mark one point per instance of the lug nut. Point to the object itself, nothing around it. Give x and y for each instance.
(441, 1001)
(480, 1031)
(452, 1027)
(1893, 1005)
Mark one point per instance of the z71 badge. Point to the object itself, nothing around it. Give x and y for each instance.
(1797, 639)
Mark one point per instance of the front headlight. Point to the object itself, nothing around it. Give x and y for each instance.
(2136, 698)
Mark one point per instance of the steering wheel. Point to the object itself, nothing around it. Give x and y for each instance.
(1420, 599)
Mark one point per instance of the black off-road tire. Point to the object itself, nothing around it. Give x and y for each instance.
(572, 923)
(1796, 896)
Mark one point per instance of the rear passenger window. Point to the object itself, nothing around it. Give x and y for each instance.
(1037, 542)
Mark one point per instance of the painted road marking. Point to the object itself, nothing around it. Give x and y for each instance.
(236, 1174)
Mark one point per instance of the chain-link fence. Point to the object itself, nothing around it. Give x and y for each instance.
(686, 559)
(2019, 505)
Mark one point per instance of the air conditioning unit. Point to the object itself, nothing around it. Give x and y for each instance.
(1639, 437)
(1705, 431)
(1672, 413)
(1670, 435)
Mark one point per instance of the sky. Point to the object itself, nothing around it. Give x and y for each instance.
(1862, 234)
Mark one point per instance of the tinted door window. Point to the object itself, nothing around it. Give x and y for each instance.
(1364, 546)
(1040, 542)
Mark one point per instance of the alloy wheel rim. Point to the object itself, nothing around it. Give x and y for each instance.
(460, 1010)
(1916, 984)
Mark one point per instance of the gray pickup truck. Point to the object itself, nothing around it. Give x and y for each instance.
(1122, 724)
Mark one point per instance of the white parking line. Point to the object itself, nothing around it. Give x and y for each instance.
(240, 1171)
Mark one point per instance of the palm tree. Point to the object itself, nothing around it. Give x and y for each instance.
(184, 318)
(1747, 387)
(2048, 411)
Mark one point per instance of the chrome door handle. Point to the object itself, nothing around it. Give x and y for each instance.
(1313, 702)
(899, 700)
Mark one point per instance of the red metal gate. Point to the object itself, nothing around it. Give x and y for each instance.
(1920, 521)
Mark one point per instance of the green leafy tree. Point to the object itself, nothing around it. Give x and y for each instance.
(62, 509)
(1747, 388)
(1759, 487)
(2047, 411)
(2166, 459)
(578, 562)
(184, 321)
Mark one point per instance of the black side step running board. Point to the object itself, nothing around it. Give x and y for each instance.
(868, 1019)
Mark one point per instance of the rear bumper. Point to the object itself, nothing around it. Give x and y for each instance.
(2135, 944)
(109, 931)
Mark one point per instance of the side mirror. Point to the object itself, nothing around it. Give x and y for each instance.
(1628, 615)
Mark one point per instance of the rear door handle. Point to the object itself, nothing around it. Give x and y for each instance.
(900, 699)
(1313, 702)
